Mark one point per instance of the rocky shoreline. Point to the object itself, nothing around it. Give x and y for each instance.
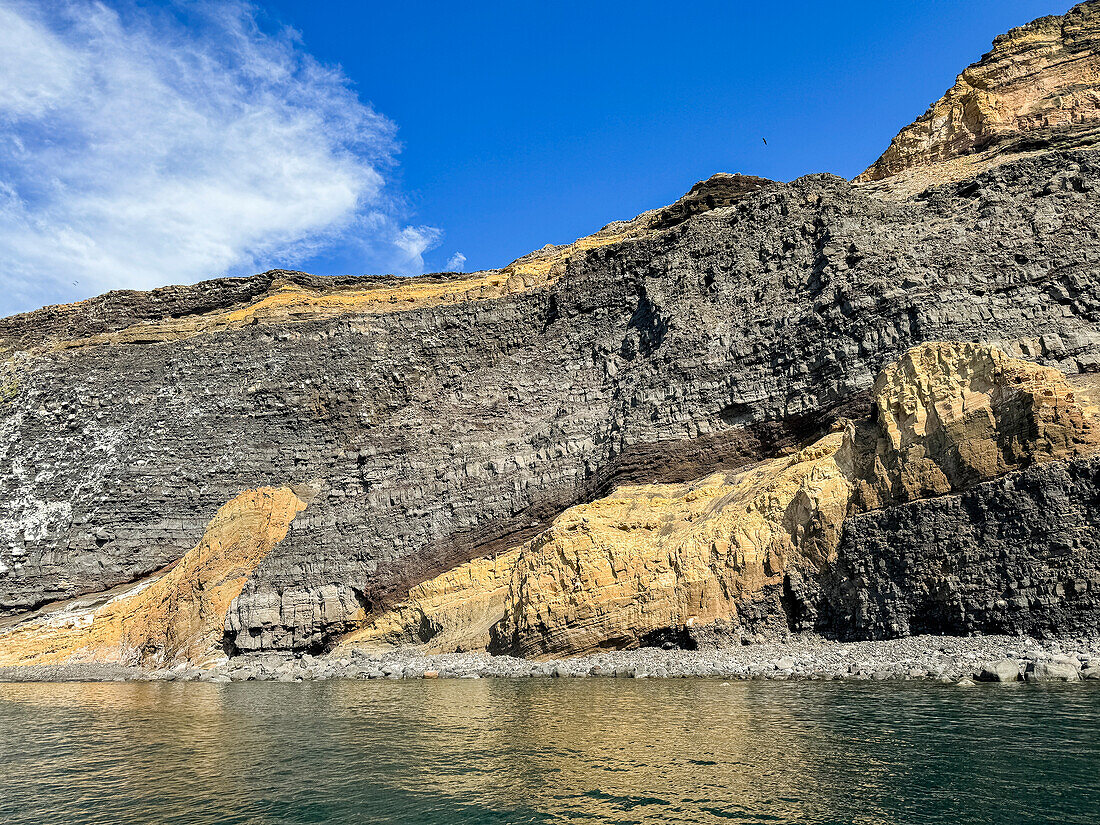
(945, 659)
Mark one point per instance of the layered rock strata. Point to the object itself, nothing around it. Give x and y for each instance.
(439, 434)
(1015, 555)
(1040, 80)
(804, 541)
(453, 419)
(647, 562)
(175, 617)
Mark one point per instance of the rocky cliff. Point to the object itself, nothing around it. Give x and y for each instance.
(174, 616)
(1038, 87)
(813, 540)
(718, 416)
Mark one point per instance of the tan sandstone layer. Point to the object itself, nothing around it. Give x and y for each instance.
(1038, 78)
(949, 415)
(289, 301)
(178, 616)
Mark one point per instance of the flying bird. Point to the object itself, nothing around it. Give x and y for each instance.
(765, 141)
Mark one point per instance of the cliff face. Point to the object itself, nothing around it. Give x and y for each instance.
(1039, 81)
(603, 440)
(785, 542)
(175, 616)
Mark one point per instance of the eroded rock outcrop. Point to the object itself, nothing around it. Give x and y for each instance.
(1016, 555)
(656, 560)
(949, 415)
(455, 611)
(645, 561)
(177, 616)
(1039, 79)
(665, 562)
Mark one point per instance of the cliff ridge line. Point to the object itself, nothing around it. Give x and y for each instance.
(1040, 83)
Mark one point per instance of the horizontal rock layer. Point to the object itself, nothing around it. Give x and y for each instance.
(436, 421)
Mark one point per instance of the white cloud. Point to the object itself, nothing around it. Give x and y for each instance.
(36, 68)
(146, 147)
(456, 263)
(414, 241)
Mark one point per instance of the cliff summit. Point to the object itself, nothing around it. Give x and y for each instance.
(1038, 86)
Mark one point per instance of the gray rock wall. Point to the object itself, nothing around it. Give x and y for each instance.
(1018, 555)
(430, 436)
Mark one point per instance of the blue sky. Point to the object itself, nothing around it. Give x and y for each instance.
(146, 143)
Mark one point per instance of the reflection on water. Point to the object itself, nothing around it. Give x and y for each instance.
(495, 751)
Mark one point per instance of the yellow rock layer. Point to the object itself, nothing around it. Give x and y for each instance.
(177, 617)
(954, 414)
(293, 303)
(289, 302)
(1045, 74)
(660, 557)
(549, 262)
(654, 557)
(647, 558)
(452, 612)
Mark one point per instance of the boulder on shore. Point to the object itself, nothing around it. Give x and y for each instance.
(1003, 670)
(1053, 670)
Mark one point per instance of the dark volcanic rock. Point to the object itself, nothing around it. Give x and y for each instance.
(1018, 555)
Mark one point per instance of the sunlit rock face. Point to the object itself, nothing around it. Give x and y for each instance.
(432, 435)
(710, 413)
(169, 618)
(661, 562)
(1039, 79)
(650, 563)
(638, 565)
(953, 414)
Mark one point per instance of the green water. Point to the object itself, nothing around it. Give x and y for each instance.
(496, 751)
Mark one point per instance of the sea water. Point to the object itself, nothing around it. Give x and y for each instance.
(549, 751)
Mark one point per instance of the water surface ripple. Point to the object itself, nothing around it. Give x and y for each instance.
(548, 751)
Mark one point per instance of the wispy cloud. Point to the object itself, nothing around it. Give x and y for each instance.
(141, 147)
(413, 242)
(456, 263)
